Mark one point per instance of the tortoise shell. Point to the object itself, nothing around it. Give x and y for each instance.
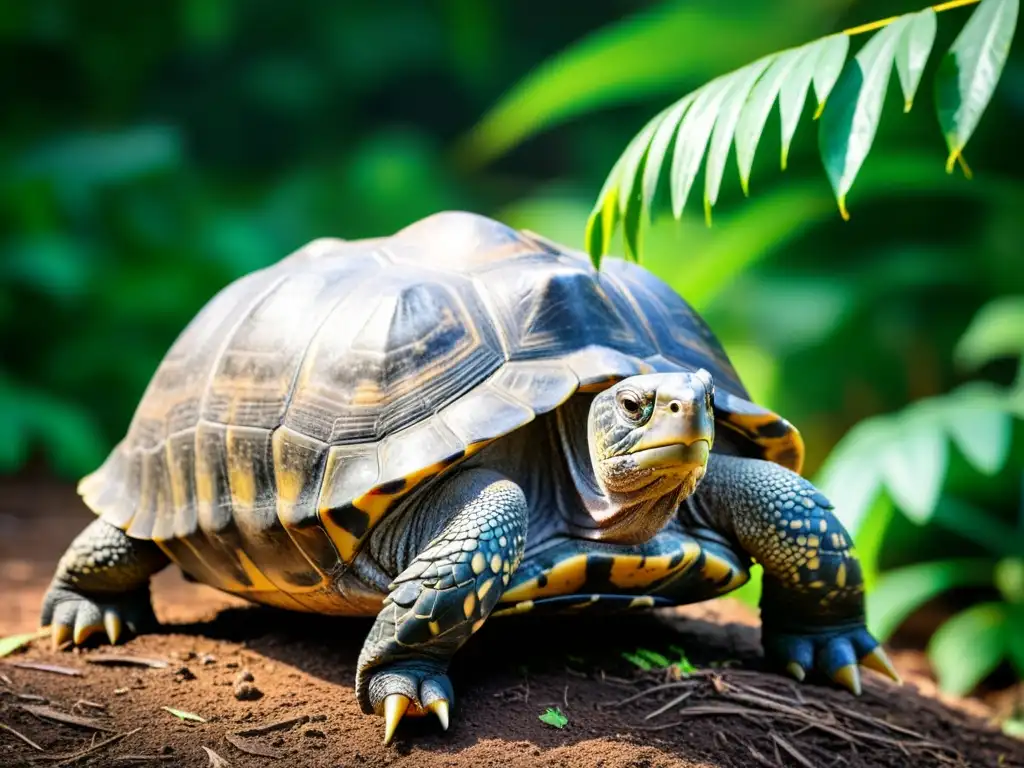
(307, 398)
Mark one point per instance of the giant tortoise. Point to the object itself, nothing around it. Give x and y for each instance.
(456, 422)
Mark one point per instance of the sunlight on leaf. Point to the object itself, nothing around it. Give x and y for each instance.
(553, 716)
(997, 330)
(793, 94)
(914, 465)
(692, 139)
(659, 146)
(982, 432)
(12, 643)
(900, 592)
(755, 112)
(852, 112)
(969, 72)
(725, 130)
(182, 715)
(969, 646)
(912, 54)
(828, 67)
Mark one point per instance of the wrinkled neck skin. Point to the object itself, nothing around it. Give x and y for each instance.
(625, 518)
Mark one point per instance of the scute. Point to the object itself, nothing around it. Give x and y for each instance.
(308, 398)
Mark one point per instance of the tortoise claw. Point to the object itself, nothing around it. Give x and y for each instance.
(440, 708)
(61, 634)
(879, 661)
(849, 678)
(395, 706)
(112, 624)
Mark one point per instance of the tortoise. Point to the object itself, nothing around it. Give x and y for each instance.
(459, 421)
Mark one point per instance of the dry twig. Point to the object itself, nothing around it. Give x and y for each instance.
(252, 749)
(21, 736)
(53, 669)
(49, 713)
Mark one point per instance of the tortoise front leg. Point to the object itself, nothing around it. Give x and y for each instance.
(101, 584)
(812, 601)
(442, 598)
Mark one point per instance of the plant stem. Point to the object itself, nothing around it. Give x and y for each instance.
(870, 27)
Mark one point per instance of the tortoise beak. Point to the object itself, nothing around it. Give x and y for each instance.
(679, 433)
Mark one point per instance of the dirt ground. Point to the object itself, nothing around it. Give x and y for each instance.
(514, 669)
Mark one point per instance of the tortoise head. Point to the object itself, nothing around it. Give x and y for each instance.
(649, 439)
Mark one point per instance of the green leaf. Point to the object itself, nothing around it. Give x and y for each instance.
(182, 715)
(851, 115)
(655, 658)
(828, 67)
(898, 593)
(755, 112)
(997, 330)
(851, 476)
(1015, 643)
(638, 661)
(554, 717)
(982, 432)
(870, 537)
(793, 93)
(659, 146)
(725, 129)
(966, 649)
(977, 525)
(692, 139)
(913, 464)
(649, 53)
(912, 53)
(12, 643)
(969, 72)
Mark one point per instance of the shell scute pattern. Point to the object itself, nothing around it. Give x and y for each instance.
(309, 397)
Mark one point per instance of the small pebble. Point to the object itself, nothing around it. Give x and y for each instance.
(245, 676)
(120, 691)
(166, 749)
(313, 733)
(232, 665)
(207, 659)
(317, 718)
(184, 673)
(247, 692)
(278, 742)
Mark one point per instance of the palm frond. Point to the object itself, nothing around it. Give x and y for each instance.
(732, 110)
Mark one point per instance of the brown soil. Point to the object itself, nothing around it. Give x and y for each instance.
(508, 675)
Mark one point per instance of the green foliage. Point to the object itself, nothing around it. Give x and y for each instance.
(734, 108)
(901, 461)
(553, 716)
(647, 660)
(183, 715)
(12, 643)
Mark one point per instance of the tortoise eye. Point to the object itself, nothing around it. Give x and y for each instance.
(631, 405)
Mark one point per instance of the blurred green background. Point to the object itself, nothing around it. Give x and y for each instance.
(152, 152)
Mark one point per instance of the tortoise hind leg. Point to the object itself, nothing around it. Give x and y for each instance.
(442, 597)
(101, 583)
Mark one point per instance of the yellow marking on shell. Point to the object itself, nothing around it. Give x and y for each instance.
(496, 563)
(841, 575)
(367, 393)
(646, 601)
(813, 541)
(565, 577)
(637, 571)
(484, 588)
(435, 628)
(787, 450)
(375, 504)
(521, 607)
(580, 606)
(816, 584)
(468, 604)
(814, 564)
(260, 583)
(717, 570)
(478, 563)
(476, 625)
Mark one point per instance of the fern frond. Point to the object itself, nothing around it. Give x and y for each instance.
(732, 110)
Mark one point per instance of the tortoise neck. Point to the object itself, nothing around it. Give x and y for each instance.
(626, 518)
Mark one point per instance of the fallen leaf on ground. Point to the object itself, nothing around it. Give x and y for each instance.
(183, 715)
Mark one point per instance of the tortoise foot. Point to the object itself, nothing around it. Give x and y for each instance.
(77, 617)
(836, 654)
(410, 689)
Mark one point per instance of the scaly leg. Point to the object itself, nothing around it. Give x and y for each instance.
(812, 602)
(101, 583)
(441, 598)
